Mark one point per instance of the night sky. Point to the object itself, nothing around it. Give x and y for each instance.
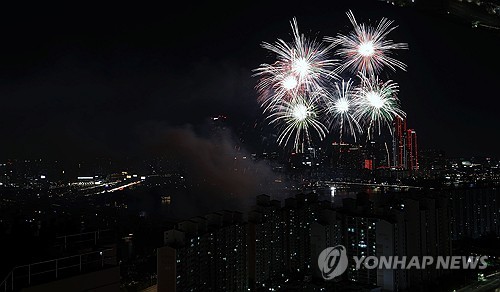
(87, 81)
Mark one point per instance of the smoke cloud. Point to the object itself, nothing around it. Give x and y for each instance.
(219, 172)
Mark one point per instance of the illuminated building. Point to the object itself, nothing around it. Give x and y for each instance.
(369, 164)
(265, 245)
(427, 233)
(398, 144)
(407, 226)
(347, 156)
(412, 150)
(204, 253)
(404, 146)
(475, 212)
(360, 239)
(325, 232)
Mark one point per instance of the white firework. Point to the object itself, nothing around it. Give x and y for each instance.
(377, 103)
(366, 48)
(340, 107)
(302, 66)
(298, 118)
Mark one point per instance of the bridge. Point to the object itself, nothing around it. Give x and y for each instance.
(332, 183)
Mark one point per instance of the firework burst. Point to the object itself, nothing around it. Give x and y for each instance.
(300, 94)
(297, 118)
(366, 49)
(301, 67)
(377, 103)
(340, 107)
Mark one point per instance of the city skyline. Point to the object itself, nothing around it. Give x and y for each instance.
(250, 146)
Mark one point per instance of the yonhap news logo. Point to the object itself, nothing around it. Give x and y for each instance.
(332, 262)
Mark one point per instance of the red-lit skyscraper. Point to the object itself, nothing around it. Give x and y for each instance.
(404, 146)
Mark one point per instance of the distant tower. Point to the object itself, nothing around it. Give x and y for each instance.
(404, 146)
(398, 144)
(412, 162)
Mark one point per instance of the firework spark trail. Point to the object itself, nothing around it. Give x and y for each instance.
(366, 49)
(301, 67)
(297, 116)
(377, 103)
(340, 107)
